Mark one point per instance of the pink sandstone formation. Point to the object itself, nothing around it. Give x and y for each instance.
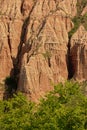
(34, 44)
(79, 54)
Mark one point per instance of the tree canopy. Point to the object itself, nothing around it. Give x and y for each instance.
(64, 108)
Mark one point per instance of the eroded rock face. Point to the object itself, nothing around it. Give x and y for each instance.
(33, 44)
(79, 54)
(45, 62)
(10, 31)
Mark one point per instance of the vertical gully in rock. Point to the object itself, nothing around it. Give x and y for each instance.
(69, 60)
(17, 65)
(9, 43)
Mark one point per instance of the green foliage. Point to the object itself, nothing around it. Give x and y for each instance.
(84, 21)
(47, 54)
(64, 108)
(15, 113)
(81, 4)
(79, 19)
(77, 22)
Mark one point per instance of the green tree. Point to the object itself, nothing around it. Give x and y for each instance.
(15, 113)
(65, 108)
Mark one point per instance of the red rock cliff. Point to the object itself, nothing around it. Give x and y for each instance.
(34, 44)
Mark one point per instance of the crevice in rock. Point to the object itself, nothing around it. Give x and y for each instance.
(69, 61)
(8, 36)
(1, 46)
(17, 65)
(49, 63)
(23, 33)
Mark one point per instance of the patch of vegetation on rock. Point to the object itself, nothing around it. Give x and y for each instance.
(79, 19)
